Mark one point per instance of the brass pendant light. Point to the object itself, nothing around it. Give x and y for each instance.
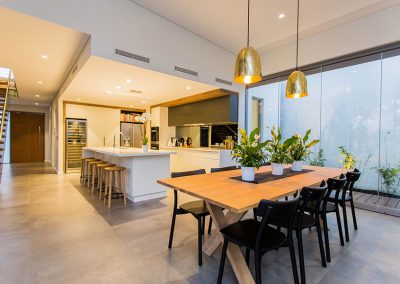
(248, 62)
(296, 86)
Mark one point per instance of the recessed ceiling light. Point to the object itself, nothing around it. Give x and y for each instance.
(143, 102)
(118, 87)
(131, 105)
(37, 96)
(36, 104)
(40, 82)
(188, 88)
(128, 80)
(78, 99)
(281, 16)
(44, 56)
(109, 92)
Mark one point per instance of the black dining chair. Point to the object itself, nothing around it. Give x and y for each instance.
(335, 186)
(303, 219)
(224, 169)
(197, 208)
(261, 238)
(347, 196)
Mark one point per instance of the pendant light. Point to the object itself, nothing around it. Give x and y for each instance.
(296, 86)
(248, 63)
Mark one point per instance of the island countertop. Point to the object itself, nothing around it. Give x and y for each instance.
(128, 152)
(197, 149)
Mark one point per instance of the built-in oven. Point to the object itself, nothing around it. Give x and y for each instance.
(155, 138)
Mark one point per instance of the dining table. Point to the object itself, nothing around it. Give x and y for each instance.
(228, 199)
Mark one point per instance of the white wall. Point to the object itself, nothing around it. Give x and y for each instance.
(372, 30)
(36, 109)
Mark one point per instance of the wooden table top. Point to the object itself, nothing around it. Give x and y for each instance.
(238, 196)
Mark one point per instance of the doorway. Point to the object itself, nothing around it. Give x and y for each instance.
(26, 137)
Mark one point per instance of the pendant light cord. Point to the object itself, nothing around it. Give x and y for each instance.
(297, 34)
(248, 22)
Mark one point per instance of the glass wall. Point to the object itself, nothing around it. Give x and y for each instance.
(354, 104)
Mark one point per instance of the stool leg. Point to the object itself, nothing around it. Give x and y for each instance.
(110, 189)
(93, 177)
(124, 184)
(80, 180)
(101, 182)
(106, 185)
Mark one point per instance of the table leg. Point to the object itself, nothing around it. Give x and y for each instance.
(234, 253)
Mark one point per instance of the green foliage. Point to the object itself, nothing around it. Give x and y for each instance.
(349, 161)
(248, 152)
(278, 151)
(319, 160)
(145, 140)
(300, 149)
(390, 178)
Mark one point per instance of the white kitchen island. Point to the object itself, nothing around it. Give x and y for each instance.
(143, 169)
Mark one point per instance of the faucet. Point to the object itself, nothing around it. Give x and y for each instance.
(114, 141)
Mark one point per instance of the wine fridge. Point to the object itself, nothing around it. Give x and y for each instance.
(75, 140)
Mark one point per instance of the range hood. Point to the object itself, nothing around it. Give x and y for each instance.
(220, 110)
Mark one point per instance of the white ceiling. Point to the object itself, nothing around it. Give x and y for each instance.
(24, 40)
(224, 22)
(99, 76)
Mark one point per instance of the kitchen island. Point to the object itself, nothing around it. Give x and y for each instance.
(143, 169)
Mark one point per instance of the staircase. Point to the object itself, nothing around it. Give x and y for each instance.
(8, 89)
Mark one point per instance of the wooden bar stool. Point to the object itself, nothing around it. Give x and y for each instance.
(84, 166)
(90, 165)
(101, 177)
(95, 176)
(111, 180)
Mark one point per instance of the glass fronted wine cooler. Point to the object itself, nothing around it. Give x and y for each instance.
(75, 141)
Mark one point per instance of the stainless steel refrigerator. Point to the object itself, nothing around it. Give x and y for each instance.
(131, 134)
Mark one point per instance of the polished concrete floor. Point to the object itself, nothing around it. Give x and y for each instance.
(53, 231)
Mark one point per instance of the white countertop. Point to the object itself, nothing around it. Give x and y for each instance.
(200, 149)
(128, 152)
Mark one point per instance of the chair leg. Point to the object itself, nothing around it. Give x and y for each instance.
(203, 224)
(301, 256)
(293, 260)
(222, 263)
(346, 226)
(247, 258)
(171, 232)
(257, 261)
(321, 245)
(209, 225)
(339, 224)
(199, 240)
(353, 212)
(255, 214)
(328, 251)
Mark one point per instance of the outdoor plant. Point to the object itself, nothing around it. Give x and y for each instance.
(319, 159)
(390, 178)
(300, 149)
(278, 151)
(349, 161)
(248, 152)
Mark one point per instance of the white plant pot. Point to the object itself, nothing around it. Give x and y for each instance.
(277, 169)
(145, 148)
(297, 166)
(248, 173)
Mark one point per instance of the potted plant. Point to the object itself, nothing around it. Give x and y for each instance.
(300, 150)
(249, 153)
(278, 151)
(349, 161)
(144, 118)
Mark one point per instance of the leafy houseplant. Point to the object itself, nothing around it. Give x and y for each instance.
(248, 153)
(319, 160)
(300, 150)
(144, 118)
(278, 151)
(349, 161)
(390, 178)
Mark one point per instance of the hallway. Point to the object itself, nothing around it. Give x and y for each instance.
(53, 231)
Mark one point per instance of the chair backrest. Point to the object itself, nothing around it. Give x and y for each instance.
(351, 179)
(188, 173)
(335, 185)
(223, 169)
(308, 195)
(276, 210)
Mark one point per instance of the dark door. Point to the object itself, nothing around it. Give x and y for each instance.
(26, 137)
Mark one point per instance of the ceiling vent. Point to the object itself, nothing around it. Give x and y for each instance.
(222, 81)
(132, 56)
(136, 92)
(186, 71)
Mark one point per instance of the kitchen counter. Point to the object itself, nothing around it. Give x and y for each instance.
(201, 149)
(127, 151)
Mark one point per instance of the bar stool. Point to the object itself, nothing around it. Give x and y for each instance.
(101, 177)
(95, 176)
(89, 170)
(112, 180)
(84, 165)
